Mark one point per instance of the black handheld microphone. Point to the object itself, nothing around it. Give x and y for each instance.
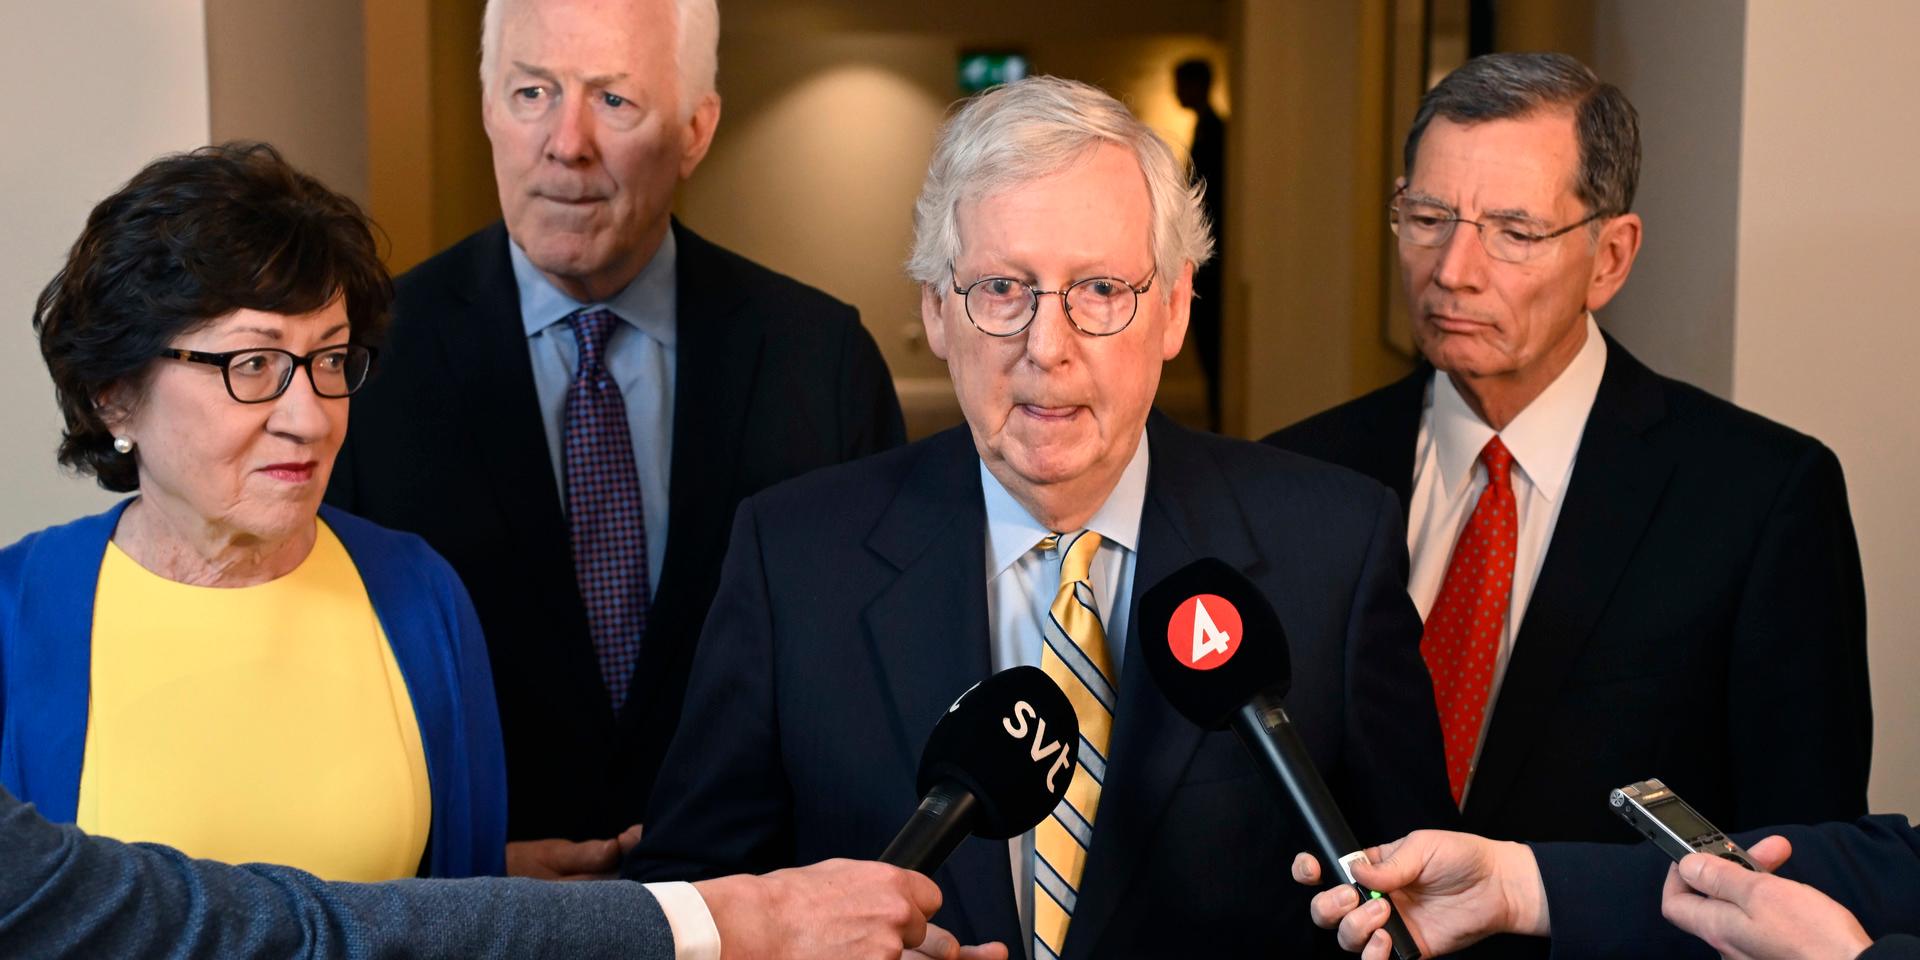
(995, 765)
(1223, 661)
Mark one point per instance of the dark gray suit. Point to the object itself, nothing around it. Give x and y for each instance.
(63, 893)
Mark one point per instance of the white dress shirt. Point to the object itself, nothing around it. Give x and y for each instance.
(1021, 585)
(695, 936)
(1448, 479)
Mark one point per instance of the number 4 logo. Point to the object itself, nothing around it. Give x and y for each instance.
(1207, 638)
(1204, 632)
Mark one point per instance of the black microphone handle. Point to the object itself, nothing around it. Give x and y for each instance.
(1263, 726)
(943, 819)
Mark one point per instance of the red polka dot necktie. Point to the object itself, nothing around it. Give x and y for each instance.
(604, 515)
(1463, 628)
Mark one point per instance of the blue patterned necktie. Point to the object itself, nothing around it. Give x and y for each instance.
(604, 515)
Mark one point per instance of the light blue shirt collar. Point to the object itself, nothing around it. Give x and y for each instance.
(647, 303)
(1012, 531)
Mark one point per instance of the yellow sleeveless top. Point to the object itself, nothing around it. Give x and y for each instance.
(260, 724)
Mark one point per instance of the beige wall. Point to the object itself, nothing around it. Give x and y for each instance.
(400, 103)
(820, 151)
(1682, 66)
(430, 171)
(1826, 334)
(100, 103)
(1308, 167)
(290, 72)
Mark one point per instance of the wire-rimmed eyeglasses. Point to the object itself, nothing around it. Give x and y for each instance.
(264, 373)
(1427, 224)
(1096, 306)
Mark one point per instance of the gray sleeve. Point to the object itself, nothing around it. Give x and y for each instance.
(65, 894)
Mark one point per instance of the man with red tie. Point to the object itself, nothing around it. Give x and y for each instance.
(1621, 576)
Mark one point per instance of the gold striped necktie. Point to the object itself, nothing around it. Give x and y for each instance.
(1074, 654)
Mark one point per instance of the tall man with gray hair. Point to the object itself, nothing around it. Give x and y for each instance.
(1622, 576)
(1055, 242)
(575, 399)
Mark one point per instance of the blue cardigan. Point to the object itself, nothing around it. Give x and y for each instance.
(47, 585)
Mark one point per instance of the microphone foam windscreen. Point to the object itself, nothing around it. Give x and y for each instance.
(1212, 641)
(1013, 741)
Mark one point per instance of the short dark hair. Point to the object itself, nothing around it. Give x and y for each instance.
(1505, 86)
(190, 239)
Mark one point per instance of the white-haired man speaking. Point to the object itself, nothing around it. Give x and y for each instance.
(1055, 247)
(574, 400)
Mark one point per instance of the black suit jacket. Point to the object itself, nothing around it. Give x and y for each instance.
(1604, 899)
(1699, 615)
(773, 379)
(852, 611)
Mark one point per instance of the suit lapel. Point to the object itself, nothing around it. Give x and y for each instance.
(486, 353)
(1617, 482)
(716, 355)
(934, 534)
(1388, 453)
(717, 352)
(1152, 744)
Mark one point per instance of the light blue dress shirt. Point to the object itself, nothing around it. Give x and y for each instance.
(1021, 584)
(639, 354)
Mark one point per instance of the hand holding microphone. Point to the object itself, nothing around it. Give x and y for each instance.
(1455, 889)
(998, 762)
(1223, 661)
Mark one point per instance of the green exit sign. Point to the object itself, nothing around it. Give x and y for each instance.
(982, 69)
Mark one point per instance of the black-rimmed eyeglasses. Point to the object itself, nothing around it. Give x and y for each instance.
(1096, 306)
(264, 373)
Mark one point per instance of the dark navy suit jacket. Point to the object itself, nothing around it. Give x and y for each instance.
(775, 378)
(852, 611)
(1604, 899)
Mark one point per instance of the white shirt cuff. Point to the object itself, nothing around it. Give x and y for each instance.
(695, 937)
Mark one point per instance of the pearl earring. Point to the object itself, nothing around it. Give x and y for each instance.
(123, 445)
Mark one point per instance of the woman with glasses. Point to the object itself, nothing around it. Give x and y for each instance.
(219, 662)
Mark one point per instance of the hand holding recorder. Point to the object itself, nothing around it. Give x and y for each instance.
(1457, 889)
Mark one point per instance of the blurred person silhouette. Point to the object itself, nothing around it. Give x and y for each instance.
(1193, 85)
